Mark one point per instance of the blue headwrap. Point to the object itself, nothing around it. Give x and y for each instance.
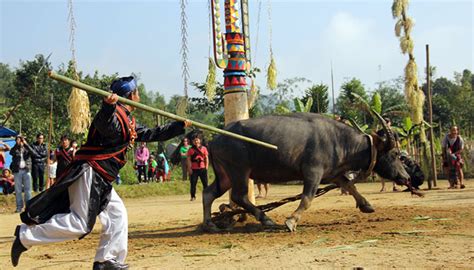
(123, 86)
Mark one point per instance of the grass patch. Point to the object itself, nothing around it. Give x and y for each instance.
(153, 189)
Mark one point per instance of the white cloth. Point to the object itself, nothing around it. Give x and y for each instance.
(52, 169)
(22, 160)
(444, 142)
(70, 226)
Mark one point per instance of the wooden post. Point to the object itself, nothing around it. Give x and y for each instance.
(50, 135)
(434, 176)
(333, 98)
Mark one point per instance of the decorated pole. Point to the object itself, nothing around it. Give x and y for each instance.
(232, 54)
(144, 107)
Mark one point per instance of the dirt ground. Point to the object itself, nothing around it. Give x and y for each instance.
(434, 232)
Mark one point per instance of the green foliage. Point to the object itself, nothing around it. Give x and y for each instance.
(376, 103)
(319, 94)
(345, 102)
(303, 107)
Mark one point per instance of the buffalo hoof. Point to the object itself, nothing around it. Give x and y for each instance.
(210, 227)
(268, 222)
(291, 224)
(366, 208)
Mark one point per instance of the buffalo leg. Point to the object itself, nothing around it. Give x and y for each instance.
(239, 194)
(361, 203)
(212, 192)
(311, 183)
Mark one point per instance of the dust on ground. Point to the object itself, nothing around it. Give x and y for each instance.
(434, 232)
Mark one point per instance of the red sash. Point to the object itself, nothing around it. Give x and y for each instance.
(92, 153)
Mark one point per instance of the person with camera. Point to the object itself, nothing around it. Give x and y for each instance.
(21, 154)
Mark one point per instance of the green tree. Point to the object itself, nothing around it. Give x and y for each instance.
(345, 103)
(319, 94)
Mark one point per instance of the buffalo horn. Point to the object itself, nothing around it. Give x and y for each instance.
(389, 134)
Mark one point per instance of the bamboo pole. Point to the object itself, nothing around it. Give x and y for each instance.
(138, 105)
(430, 107)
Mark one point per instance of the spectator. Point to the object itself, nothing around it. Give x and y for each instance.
(64, 155)
(162, 168)
(38, 160)
(74, 147)
(141, 155)
(21, 166)
(3, 148)
(152, 168)
(453, 145)
(183, 151)
(198, 163)
(52, 168)
(7, 182)
(381, 133)
(259, 187)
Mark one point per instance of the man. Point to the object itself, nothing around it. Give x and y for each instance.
(21, 167)
(38, 162)
(381, 133)
(452, 145)
(183, 152)
(87, 185)
(64, 155)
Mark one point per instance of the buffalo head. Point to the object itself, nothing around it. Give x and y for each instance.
(388, 164)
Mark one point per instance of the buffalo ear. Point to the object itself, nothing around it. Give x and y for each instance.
(378, 141)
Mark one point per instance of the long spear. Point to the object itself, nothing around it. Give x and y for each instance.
(103, 93)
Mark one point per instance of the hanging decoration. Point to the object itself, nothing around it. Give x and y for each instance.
(78, 102)
(272, 70)
(183, 101)
(211, 80)
(413, 92)
(210, 85)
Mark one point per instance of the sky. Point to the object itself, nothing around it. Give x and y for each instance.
(144, 37)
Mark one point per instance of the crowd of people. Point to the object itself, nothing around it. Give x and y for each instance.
(27, 171)
(150, 167)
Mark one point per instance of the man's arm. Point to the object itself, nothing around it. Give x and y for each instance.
(5, 147)
(161, 133)
(30, 149)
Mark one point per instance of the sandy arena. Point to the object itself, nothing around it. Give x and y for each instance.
(434, 232)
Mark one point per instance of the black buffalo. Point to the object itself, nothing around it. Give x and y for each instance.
(311, 147)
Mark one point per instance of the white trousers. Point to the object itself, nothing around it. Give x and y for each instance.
(62, 227)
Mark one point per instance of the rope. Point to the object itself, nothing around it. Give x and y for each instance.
(218, 217)
(184, 46)
(270, 30)
(258, 30)
(72, 33)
